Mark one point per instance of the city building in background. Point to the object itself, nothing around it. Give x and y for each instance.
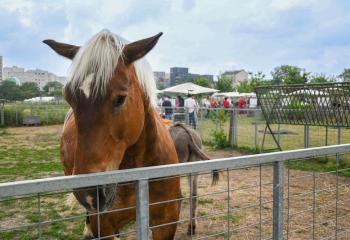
(40, 77)
(180, 75)
(236, 76)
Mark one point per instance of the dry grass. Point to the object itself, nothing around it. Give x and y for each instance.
(245, 197)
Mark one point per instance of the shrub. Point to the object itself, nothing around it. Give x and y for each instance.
(219, 137)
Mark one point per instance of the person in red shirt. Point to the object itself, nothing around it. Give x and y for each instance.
(213, 103)
(226, 103)
(241, 105)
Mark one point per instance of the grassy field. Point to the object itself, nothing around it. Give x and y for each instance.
(27, 153)
(39, 157)
(246, 135)
(49, 113)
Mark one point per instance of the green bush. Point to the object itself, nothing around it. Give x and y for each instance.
(219, 137)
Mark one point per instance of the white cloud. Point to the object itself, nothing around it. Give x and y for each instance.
(21, 8)
(207, 36)
(287, 4)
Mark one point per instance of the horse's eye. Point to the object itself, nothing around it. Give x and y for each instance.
(118, 101)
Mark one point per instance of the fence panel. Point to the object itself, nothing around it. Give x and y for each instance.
(247, 203)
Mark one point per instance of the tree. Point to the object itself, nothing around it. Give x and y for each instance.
(286, 74)
(9, 90)
(202, 81)
(224, 84)
(245, 87)
(345, 75)
(321, 78)
(29, 90)
(53, 86)
(258, 79)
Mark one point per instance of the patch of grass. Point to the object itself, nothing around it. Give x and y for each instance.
(321, 164)
(28, 162)
(202, 213)
(231, 217)
(205, 201)
(4, 132)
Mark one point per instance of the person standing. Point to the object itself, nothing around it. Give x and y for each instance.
(191, 106)
(241, 105)
(167, 108)
(226, 103)
(206, 105)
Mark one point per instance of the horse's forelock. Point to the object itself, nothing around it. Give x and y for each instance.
(94, 65)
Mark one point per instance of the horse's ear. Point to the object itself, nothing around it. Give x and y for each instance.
(63, 49)
(138, 49)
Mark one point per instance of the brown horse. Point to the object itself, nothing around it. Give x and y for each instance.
(114, 126)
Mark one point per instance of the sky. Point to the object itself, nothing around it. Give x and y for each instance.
(207, 36)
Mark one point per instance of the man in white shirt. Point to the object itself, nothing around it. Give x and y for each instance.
(191, 106)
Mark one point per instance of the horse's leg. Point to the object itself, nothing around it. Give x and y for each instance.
(194, 200)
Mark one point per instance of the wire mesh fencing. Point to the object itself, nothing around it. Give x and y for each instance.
(246, 128)
(16, 113)
(263, 196)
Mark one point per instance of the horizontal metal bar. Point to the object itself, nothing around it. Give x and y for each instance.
(86, 180)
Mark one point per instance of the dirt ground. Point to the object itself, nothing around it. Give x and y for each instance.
(311, 201)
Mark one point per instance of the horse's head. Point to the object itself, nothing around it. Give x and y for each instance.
(108, 92)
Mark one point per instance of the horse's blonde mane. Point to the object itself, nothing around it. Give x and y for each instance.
(94, 65)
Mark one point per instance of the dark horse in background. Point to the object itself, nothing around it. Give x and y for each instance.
(114, 125)
(188, 145)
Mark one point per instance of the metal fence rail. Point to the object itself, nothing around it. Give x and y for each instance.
(283, 217)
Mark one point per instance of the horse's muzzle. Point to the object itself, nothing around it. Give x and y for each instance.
(98, 198)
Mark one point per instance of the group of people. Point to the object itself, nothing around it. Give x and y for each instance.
(190, 106)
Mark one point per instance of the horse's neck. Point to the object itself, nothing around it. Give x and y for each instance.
(154, 146)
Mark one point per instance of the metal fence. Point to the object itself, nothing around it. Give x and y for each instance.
(245, 128)
(14, 113)
(258, 197)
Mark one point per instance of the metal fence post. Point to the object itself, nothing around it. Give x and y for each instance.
(233, 129)
(142, 209)
(2, 116)
(17, 122)
(256, 135)
(306, 136)
(278, 200)
(47, 114)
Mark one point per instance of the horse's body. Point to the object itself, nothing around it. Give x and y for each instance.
(188, 147)
(115, 126)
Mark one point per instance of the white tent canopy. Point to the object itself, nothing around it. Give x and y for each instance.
(227, 94)
(189, 88)
(40, 99)
(234, 94)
